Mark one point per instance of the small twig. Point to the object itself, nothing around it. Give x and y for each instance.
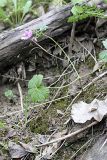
(105, 142)
(55, 95)
(33, 40)
(69, 135)
(27, 80)
(63, 73)
(81, 148)
(71, 45)
(58, 149)
(21, 96)
(87, 51)
(68, 58)
(72, 82)
(72, 38)
(38, 105)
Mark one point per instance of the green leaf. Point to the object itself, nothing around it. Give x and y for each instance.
(105, 1)
(103, 56)
(15, 5)
(57, 2)
(3, 15)
(20, 4)
(77, 18)
(9, 94)
(36, 81)
(3, 3)
(105, 43)
(27, 7)
(2, 125)
(77, 10)
(36, 90)
(83, 12)
(38, 94)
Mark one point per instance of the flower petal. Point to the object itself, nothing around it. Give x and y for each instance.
(27, 35)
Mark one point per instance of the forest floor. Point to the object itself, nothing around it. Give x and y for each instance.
(52, 118)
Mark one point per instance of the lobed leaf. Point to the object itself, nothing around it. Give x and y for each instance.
(83, 12)
(9, 94)
(103, 56)
(38, 94)
(77, 10)
(36, 81)
(36, 90)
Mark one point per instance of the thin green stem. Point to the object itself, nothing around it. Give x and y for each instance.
(64, 54)
(71, 82)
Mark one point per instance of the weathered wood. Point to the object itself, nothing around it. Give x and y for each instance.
(12, 48)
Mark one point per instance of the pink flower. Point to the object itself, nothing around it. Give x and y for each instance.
(27, 35)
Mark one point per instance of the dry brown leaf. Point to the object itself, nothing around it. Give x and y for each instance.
(11, 133)
(82, 112)
(43, 138)
(16, 151)
(49, 151)
(29, 147)
(1, 158)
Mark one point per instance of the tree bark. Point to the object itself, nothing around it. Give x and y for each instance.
(12, 48)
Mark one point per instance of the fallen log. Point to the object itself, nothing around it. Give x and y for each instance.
(12, 48)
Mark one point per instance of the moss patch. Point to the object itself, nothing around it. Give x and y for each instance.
(43, 121)
(90, 62)
(89, 94)
(39, 125)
